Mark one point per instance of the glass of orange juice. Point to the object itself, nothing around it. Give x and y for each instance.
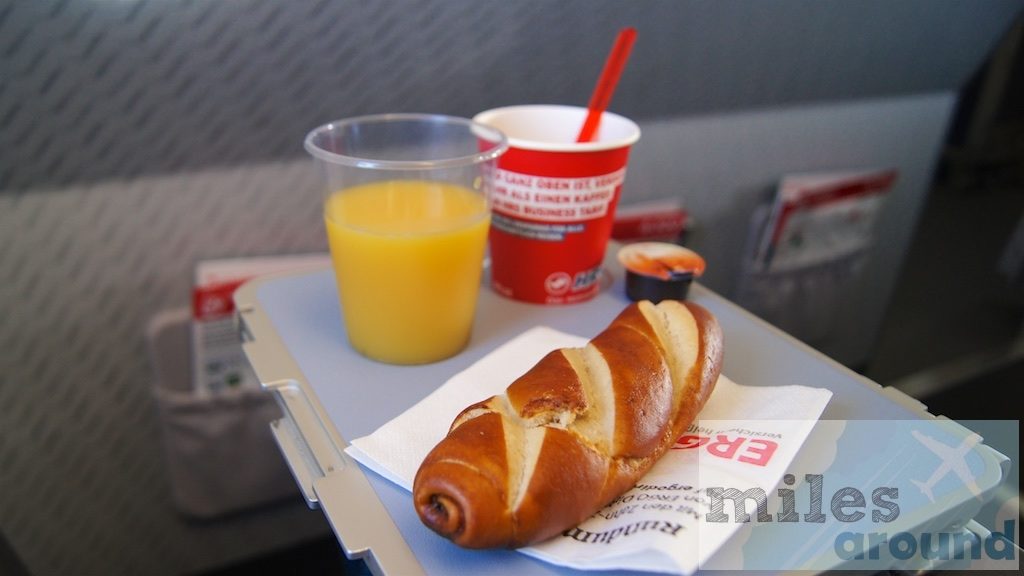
(407, 212)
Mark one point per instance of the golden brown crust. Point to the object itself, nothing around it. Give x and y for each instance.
(709, 364)
(642, 388)
(514, 472)
(552, 385)
(462, 485)
(566, 471)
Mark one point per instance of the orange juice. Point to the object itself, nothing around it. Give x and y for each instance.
(408, 256)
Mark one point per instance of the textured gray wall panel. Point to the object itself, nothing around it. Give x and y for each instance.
(95, 89)
(82, 484)
(724, 166)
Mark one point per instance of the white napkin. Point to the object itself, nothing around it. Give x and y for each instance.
(785, 414)
(396, 449)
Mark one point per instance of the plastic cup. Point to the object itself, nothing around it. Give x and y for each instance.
(554, 201)
(407, 214)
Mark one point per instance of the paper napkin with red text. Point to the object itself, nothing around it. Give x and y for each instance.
(744, 439)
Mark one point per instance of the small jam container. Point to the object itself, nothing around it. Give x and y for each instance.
(659, 271)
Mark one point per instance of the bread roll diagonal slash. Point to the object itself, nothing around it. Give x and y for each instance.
(575, 431)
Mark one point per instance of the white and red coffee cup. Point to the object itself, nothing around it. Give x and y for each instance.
(554, 201)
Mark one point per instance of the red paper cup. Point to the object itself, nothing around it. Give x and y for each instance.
(554, 201)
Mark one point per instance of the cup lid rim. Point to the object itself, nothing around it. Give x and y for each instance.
(486, 117)
(488, 133)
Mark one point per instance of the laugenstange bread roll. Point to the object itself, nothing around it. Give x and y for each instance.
(572, 433)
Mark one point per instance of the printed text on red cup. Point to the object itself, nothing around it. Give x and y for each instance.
(553, 199)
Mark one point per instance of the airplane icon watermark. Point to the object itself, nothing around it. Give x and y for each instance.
(954, 459)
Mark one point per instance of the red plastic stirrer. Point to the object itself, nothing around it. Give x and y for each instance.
(605, 87)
